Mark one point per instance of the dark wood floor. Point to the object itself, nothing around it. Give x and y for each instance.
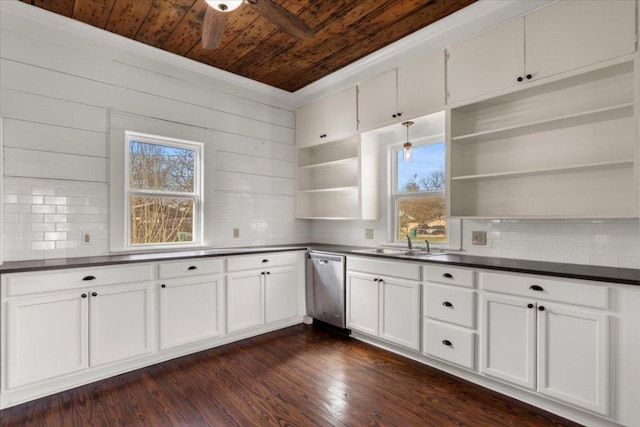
(300, 376)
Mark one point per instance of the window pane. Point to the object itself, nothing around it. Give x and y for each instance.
(161, 167)
(161, 220)
(422, 218)
(425, 172)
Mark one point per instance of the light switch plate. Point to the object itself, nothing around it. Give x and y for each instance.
(368, 233)
(479, 237)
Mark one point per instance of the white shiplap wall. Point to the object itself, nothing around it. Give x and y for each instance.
(59, 94)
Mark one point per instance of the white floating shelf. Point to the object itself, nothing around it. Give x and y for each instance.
(562, 121)
(340, 162)
(331, 189)
(575, 168)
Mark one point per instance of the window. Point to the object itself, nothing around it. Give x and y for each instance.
(418, 193)
(162, 191)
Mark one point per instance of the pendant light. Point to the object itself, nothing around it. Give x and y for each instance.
(225, 6)
(407, 154)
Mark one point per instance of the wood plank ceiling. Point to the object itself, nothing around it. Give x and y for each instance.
(344, 31)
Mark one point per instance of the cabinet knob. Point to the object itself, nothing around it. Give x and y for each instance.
(83, 295)
(520, 78)
(89, 278)
(375, 279)
(529, 76)
(394, 116)
(536, 288)
(268, 272)
(192, 267)
(529, 305)
(447, 304)
(163, 286)
(265, 260)
(399, 114)
(541, 308)
(447, 276)
(263, 273)
(94, 294)
(447, 342)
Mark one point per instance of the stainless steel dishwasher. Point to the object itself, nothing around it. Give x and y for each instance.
(326, 288)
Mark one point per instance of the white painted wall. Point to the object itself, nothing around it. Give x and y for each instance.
(62, 82)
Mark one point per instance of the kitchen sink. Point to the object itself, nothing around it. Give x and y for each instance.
(412, 253)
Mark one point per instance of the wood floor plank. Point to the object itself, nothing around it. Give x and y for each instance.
(299, 376)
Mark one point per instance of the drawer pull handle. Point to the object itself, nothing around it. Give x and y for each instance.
(265, 260)
(541, 308)
(536, 288)
(83, 295)
(94, 294)
(447, 304)
(192, 267)
(375, 279)
(268, 272)
(89, 278)
(447, 276)
(529, 305)
(163, 286)
(447, 342)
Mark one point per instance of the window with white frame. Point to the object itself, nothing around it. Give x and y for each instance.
(418, 192)
(163, 191)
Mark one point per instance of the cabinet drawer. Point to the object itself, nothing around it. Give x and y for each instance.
(449, 304)
(403, 270)
(547, 289)
(450, 344)
(51, 281)
(190, 267)
(249, 262)
(450, 276)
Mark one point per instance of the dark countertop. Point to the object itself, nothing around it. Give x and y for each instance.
(628, 276)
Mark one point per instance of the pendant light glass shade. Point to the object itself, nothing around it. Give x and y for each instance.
(224, 5)
(407, 154)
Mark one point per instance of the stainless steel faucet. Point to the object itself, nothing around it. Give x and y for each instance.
(426, 242)
(409, 242)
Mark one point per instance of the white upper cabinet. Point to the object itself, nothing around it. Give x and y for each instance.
(571, 34)
(403, 93)
(328, 119)
(560, 37)
(487, 62)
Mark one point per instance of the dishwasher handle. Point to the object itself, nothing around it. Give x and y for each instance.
(324, 258)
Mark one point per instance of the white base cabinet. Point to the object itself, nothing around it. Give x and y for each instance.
(69, 327)
(384, 306)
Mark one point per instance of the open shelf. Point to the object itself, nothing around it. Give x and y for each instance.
(591, 166)
(330, 189)
(574, 119)
(349, 162)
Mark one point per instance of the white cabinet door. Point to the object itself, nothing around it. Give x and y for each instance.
(327, 119)
(573, 356)
(509, 339)
(488, 62)
(245, 300)
(400, 312)
(280, 294)
(190, 310)
(377, 101)
(421, 86)
(572, 34)
(46, 337)
(363, 306)
(120, 322)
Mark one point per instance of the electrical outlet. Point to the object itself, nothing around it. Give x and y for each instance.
(236, 233)
(479, 237)
(86, 239)
(368, 233)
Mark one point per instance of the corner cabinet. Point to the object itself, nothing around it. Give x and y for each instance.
(404, 93)
(562, 149)
(561, 37)
(328, 119)
(338, 180)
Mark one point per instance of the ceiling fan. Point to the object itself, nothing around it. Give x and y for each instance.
(216, 16)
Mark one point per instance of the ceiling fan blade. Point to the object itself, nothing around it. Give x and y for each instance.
(282, 18)
(213, 28)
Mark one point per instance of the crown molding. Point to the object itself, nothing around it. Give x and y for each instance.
(473, 19)
(9, 8)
